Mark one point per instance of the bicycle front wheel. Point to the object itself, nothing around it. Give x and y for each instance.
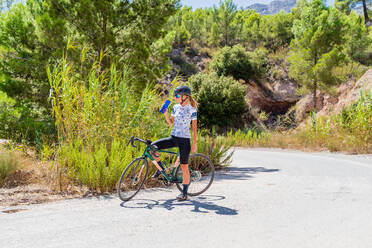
(133, 178)
(201, 174)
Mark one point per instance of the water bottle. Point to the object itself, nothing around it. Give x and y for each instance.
(165, 106)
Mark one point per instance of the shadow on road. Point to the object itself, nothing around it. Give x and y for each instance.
(201, 204)
(241, 173)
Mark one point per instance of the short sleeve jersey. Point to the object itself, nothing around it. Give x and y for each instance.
(182, 119)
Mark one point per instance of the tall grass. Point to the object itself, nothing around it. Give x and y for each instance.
(247, 137)
(94, 119)
(217, 148)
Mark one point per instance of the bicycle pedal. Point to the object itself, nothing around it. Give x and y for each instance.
(166, 183)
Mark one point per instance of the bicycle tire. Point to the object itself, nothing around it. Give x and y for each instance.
(128, 187)
(198, 163)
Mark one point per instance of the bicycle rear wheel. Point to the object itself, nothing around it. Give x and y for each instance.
(201, 174)
(133, 178)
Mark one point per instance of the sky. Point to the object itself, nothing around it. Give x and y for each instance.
(240, 3)
(209, 3)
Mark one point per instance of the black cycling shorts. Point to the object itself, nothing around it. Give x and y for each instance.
(182, 143)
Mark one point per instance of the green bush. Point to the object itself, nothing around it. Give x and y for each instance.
(258, 60)
(8, 115)
(221, 99)
(20, 123)
(232, 61)
(8, 163)
(237, 62)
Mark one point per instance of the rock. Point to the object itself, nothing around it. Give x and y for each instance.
(305, 105)
(277, 100)
(350, 92)
(175, 53)
(196, 59)
(200, 66)
(285, 91)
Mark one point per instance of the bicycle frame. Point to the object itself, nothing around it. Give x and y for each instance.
(146, 154)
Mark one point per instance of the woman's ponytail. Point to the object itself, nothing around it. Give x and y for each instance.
(193, 103)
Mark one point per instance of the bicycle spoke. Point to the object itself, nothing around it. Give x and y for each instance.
(132, 179)
(201, 174)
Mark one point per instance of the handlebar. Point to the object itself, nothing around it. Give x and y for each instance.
(153, 148)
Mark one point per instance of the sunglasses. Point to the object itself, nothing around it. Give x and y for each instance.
(177, 95)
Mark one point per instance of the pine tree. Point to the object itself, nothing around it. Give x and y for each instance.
(224, 18)
(317, 47)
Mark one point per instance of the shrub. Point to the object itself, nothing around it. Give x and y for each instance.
(217, 148)
(232, 61)
(9, 162)
(8, 115)
(187, 69)
(258, 60)
(237, 62)
(221, 99)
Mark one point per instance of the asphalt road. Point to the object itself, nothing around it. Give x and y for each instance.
(267, 198)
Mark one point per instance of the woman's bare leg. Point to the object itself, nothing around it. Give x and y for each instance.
(185, 174)
(156, 156)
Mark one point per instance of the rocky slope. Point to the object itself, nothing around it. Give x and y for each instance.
(276, 92)
(286, 5)
(273, 7)
(347, 93)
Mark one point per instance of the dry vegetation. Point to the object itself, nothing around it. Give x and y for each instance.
(25, 179)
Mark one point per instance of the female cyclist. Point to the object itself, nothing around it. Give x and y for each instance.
(182, 114)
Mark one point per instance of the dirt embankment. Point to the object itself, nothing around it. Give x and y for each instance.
(347, 93)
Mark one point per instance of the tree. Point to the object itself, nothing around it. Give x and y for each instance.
(23, 58)
(35, 35)
(343, 6)
(214, 37)
(317, 47)
(252, 27)
(276, 30)
(123, 30)
(5, 4)
(224, 18)
(365, 12)
(358, 39)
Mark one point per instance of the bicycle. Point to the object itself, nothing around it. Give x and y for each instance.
(136, 173)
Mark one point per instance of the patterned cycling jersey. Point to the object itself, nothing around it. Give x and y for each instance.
(182, 118)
